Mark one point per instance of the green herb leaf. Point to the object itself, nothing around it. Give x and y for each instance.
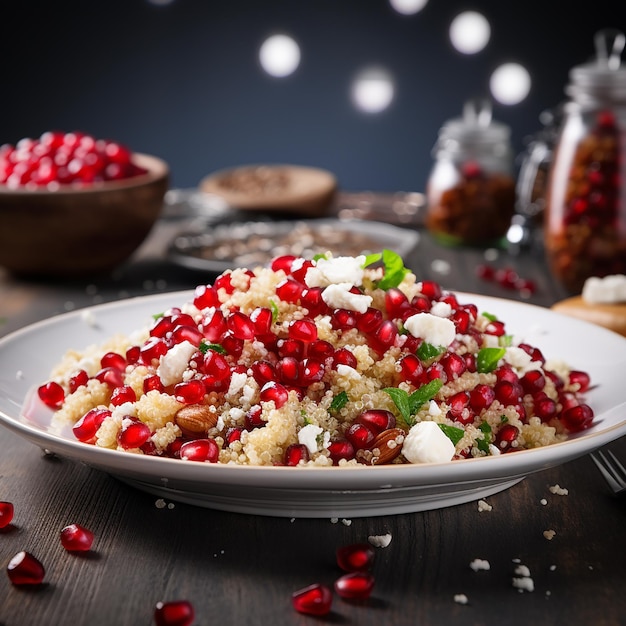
(453, 433)
(317, 257)
(157, 316)
(505, 341)
(490, 316)
(427, 351)
(370, 259)
(483, 444)
(401, 400)
(487, 359)
(394, 270)
(424, 394)
(339, 401)
(205, 347)
(273, 309)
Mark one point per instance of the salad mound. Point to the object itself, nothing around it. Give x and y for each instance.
(330, 361)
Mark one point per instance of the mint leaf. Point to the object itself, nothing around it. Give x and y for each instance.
(273, 309)
(370, 259)
(483, 444)
(401, 400)
(505, 341)
(394, 270)
(339, 401)
(487, 359)
(427, 351)
(453, 433)
(204, 347)
(490, 316)
(424, 394)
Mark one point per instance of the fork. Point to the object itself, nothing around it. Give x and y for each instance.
(612, 470)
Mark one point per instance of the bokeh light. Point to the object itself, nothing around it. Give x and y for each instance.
(408, 7)
(470, 32)
(373, 90)
(510, 83)
(160, 3)
(279, 55)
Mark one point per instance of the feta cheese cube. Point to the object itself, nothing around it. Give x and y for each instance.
(426, 443)
(174, 362)
(438, 331)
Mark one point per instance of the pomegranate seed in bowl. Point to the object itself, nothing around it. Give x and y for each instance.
(329, 362)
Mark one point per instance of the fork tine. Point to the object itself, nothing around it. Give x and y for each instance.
(610, 473)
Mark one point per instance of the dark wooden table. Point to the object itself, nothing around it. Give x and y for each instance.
(242, 569)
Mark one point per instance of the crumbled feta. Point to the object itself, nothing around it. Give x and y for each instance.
(480, 564)
(522, 570)
(558, 490)
(441, 309)
(380, 541)
(438, 331)
(89, 318)
(308, 436)
(608, 290)
(484, 506)
(339, 296)
(461, 598)
(342, 269)
(237, 382)
(426, 443)
(174, 362)
(520, 360)
(434, 409)
(345, 371)
(524, 584)
(549, 534)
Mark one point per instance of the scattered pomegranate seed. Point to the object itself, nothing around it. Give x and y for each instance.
(205, 297)
(295, 453)
(87, 426)
(76, 538)
(133, 433)
(507, 278)
(577, 418)
(6, 514)
(274, 392)
(355, 586)
(315, 599)
(200, 450)
(582, 379)
(175, 613)
(52, 394)
(25, 570)
(357, 557)
(79, 379)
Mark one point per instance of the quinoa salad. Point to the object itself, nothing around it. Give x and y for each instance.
(331, 361)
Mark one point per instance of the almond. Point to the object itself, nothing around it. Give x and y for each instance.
(386, 446)
(196, 419)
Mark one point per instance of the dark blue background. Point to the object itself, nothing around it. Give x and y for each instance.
(183, 81)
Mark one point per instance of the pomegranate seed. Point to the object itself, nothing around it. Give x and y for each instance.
(421, 303)
(506, 372)
(79, 379)
(76, 538)
(214, 326)
(215, 365)
(461, 321)
(200, 450)
(534, 353)
(508, 392)
(453, 365)
(274, 392)
(6, 514)
(369, 321)
(544, 408)
(343, 319)
(460, 409)
(162, 327)
(283, 263)
(343, 356)
(289, 290)
(224, 282)
(52, 394)
(496, 328)
(313, 600)
(288, 370)
(412, 369)
(205, 297)
(506, 277)
(123, 394)
(253, 418)
(175, 613)
(533, 381)
(293, 348)
(385, 336)
(240, 325)
(110, 376)
(577, 418)
(357, 557)
(295, 453)
(321, 349)
(153, 383)
(340, 449)
(233, 434)
(506, 437)
(25, 570)
(153, 350)
(190, 392)
(114, 360)
(262, 318)
(303, 330)
(377, 420)
(311, 371)
(313, 302)
(133, 433)
(87, 426)
(582, 379)
(360, 436)
(396, 303)
(430, 289)
(183, 332)
(355, 586)
(263, 372)
(481, 397)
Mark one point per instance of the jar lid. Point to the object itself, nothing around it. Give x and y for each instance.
(605, 75)
(475, 127)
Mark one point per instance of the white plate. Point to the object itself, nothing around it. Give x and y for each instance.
(216, 248)
(27, 356)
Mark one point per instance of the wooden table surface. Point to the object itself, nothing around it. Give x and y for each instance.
(242, 569)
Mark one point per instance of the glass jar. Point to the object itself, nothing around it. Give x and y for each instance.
(471, 188)
(585, 221)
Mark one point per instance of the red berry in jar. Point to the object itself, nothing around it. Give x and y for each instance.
(76, 538)
(56, 159)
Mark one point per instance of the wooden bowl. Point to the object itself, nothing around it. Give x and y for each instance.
(75, 232)
(304, 191)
